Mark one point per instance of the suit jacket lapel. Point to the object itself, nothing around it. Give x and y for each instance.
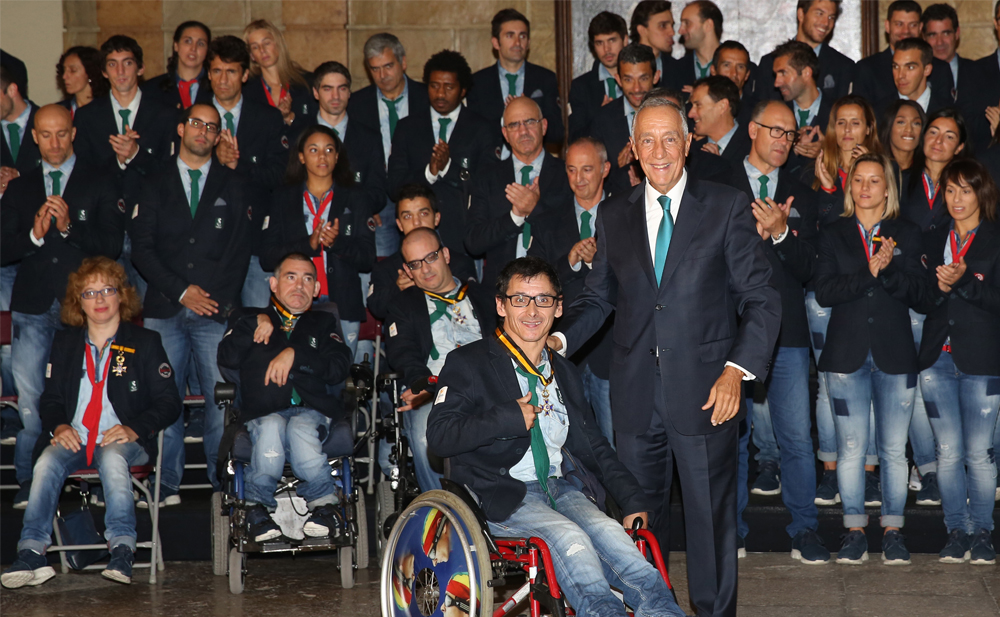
(213, 187)
(635, 216)
(692, 209)
(502, 366)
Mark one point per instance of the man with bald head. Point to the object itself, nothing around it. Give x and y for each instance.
(681, 264)
(512, 194)
(437, 314)
(53, 217)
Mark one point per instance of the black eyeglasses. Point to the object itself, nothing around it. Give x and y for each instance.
(777, 132)
(211, 127)
(430, 258)
(528, 124)
(92, 293)
(541, 300)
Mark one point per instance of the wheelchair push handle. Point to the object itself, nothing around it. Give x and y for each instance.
(424, 383)
(387, 382)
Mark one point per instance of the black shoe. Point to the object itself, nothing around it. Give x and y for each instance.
(741, 547)
(854, 550)
(956, 550)
(262, 526)
(873, 489)
(930, 494)
(119, 568)
(983, 553)
(30, 569)
(324, 521)
(21, 498)
(894, 551)
(768, 481)
(808, 548)
(827, 492)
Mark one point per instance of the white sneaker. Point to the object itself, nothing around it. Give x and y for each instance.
(8, 441)
(915, 483)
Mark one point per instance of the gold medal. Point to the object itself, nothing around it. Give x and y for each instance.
(119, 364)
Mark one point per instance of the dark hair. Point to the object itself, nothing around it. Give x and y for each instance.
(919, 160)
(642, 12)
(527, 268)
(6, 79)
(415, 190)
(120, 42)
(90, 58)
(637, 53)
(889, 118)
(903, 6)
(297, 173)
(665, 93)
(800, 56)
(326, 68)
(229, 48)
(178, 32)
(805, 5)
(295, 256)
(996, 8)
(978, 177)
(503, 17)
(448, 61)
(939, 12)
(926, 51)
(606, 22)
(186, 113)
(709, 10)
(720, 87)
(726, 45)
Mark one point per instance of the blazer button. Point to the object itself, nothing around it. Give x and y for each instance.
(951, 322)
(55, 260)
(190, 266)
(191, 240)
(953, 296)
(871, 292)
(652, 352)
(519, 451)
(659, 307)
(871, 320)
(503, 471)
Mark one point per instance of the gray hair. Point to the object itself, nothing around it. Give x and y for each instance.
(377, 43)
(656, 99)
(602, 151)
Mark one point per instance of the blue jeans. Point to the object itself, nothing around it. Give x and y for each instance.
(188, 336)
(7, 276)
(387, 234)
(819, 318)
(351, 330)
(256, 287)
(590, 551)
(415, 425)
(292, 434)
(365, 347)
(963, 413)
(852, 395)
(763, 428)
(921, 435)
(56, 462)
(598, 393)
(30, 346)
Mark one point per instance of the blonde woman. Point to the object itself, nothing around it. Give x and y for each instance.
(275, 78)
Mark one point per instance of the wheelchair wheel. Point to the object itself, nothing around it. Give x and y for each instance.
(346, 554)
(220, 537)
(385, 504)
(237, 571)
(435, 554)
(361, 520)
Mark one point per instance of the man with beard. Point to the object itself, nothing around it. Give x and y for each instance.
(606, 36)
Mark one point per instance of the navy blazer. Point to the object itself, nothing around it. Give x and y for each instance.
(302, 97)
(913, 203)
(477, 423)
(873, 77)
(715, 303)
(28, 157)
(163, 89)
(612, 129)
(836, 74)
(364, 103)
(586, 94)
(803, 167)
(540, 84)
(989, 92)
(939, 100)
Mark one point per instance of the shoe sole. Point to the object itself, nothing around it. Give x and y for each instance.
(996, 495)
(827, 502)
(872, 504)
(853, 562)
(31, 578)
(194, 439)
(20, 505)
(928, 502)
(983, 562)
(962, 559)
(760, 491)
(116, 576)
(741, 553)
(895, 562)
(266, 537)
(797, 554)
(173, 500)
(8, 441)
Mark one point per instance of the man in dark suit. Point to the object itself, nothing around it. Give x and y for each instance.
(391, 97)
(606, 36)
(989, 71)
(512, 194)
(513, 76)
(715, 104)
(53, 217)
(252, 143)
(732, 60)
(786, 216)
(192, 243)
(816, 20)
(430, 319)
(701, 34)
(446, 148)
(683, 255)
(18, 152)
(912, 66)
(795, 72)
(510, 414)
(652, 24)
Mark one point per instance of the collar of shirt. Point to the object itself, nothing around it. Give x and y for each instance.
(659, 65)
(98, 354)
(66, 168)
(593, 211)
(725, 139)
(133, 107)
(629, 113)
(237, 110)
(341, 127)
(505, 85)
(818, 49)
(698, 68)
(183, 168)
(654, 211)
(602, 74)
(536, 167)
(754, 174)
(21, 122)
(924, 100)
(953, 63)
(436, 122)
(813, 109)
(194, 86)
(402, 111)
(308, 213)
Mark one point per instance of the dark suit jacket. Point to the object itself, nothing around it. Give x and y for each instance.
(479, 425)
(351, 253)
(913, 203)
(171, 250)
(364, 103)
(540, 84)
(408, 349)
(715, 303)
(28, 157)
(873, 78)
(98, 228)
(870, 314)
(321, 359)
(586, 94)
(989, 94)
(302, 99)
(737, 149)
(836, 73)
(800, 166)
(144, 397)
(364, 150)
(612, 129)
(939, 100)
(970, 313)
(264, 147)
(163, 89)
(489, 231)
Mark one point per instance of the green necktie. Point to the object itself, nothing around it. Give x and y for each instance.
(296, 399)
(337, 133)
(663, 237)
(229, 123)
(631, 120)
(803, 117)
(393, 114)
(612, 94)
(526, 228)
(195, 175)
(511, 84)
(440, 310)
(56, 176)
(763, 187)
(125, 113)
(539, 452)
(702, 70)
(585, 231)
(14, 132)
(443, 132)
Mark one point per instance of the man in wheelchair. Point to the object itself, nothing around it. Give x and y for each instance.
(506, 413)
(286, 356)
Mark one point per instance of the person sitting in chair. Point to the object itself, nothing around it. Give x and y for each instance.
(507, 412)
(85, 424)
(286, 356)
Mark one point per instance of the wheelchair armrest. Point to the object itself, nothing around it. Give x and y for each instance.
(224, 393)
(457, 489)
(386, 382)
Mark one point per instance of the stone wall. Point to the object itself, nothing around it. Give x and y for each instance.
(975, 18)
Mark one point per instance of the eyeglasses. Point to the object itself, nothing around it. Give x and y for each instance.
(530, 123)
(777, 132)
(90, 294)
(430, 258)
(211, 127)
(541, 300)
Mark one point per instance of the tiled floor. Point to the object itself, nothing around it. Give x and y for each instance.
(770, 584)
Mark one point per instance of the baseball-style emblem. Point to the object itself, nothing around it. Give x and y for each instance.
(284, 141)
(795, 232)
(923, 261)
(336, 337)
(165, 371)
(121, 206)
(250, 212)
(978, 276)
(371, 224)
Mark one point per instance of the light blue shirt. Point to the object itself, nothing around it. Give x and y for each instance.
(108, 416)
(813, 109)
(21, 122)
(536, 169)
(552, 419)
(505, 86)
(604, 75)
(66, 168)
(953, 63)
(725, 139)
(818, 49)
(629, 113)
(236, 111)
(309, 215)
(754, 174)
(448, 334)
(698, 68)
(579, 210)
(341, 127)
(402, 110)
(186, 177)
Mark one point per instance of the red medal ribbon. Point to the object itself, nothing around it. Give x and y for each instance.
(864, 239)
(267, 91)
(927, 191)
(184, 88)
(317, 222)
(842, 175)
(956, 254)
(92, 416)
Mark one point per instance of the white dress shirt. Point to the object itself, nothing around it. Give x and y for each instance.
(436, 127)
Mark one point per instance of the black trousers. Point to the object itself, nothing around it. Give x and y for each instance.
(706, 466)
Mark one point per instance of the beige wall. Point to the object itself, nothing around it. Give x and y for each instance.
(975, 18)
(32, 31)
